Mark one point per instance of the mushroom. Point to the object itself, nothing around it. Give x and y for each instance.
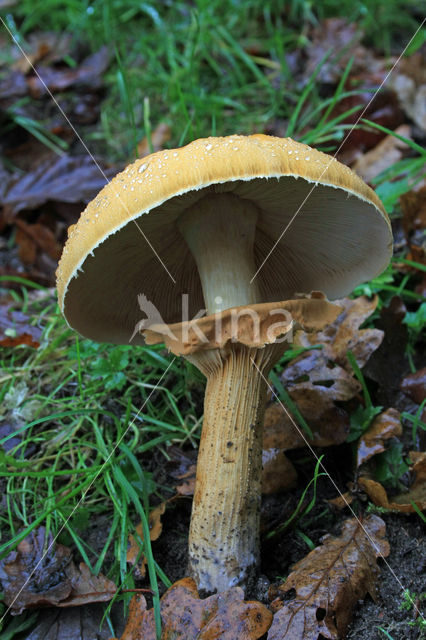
(239, 225)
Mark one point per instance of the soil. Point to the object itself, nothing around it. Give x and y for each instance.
(405, 568)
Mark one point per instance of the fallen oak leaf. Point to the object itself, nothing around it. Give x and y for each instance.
(50, 46)
(386, 153)
(328, 583)
(30, 237)
(314, 384)
(182, 465)
(78, 623)
(32, 579)
(159, 137)
(15, 327)
(222, 616)
(278, 472)
(342, 500)
(413, 205)
(134, 550)
(26, 63)
(389, 363)
(329, 425)
(315, 381)
(337, 35)
(403, 501)
(187, 487)
(409, 83)
(314, 371)
(344, 333)
(414, 385)
(386, 425)
(26, 581)
(61, 178)
(88, 73)
(77, 586)
(85, 587)
(135, 618)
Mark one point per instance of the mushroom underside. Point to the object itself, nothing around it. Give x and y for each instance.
(324, 248)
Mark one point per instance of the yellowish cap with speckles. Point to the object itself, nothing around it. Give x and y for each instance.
(319, 226)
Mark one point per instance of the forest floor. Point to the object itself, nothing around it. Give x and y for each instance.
(81, 466)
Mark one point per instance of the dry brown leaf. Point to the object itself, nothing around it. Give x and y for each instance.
(278, 473)
(414, 385)
(15, 327)
(27, 62)
(342, 500)
(61, 178)
(187, 487)
(389, 151)
(77, 623)
(344, 333)
(339, 36)
(88, 74)
(316, 380)
(409, 83)
(223, 616)
(386, 425)
(322, 385)
(48, 45)
(328, 582)
(32, 578)
(314, 384)
(328, 423)
(389, 363)
(155, 529)
(182, 466)
(402, 502)
(313, 371)
(413, 205)
(159, 137)
(33, 237)
(85, 587)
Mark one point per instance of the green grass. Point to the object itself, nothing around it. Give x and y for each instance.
(214, 67)
(303, 507)
(207, 67)
(87, 435)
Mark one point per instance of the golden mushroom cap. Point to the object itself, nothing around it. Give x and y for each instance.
(320, 227)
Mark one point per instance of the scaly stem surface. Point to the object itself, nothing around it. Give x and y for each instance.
(224, 532)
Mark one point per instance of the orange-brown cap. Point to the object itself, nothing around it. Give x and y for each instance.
(127, 243)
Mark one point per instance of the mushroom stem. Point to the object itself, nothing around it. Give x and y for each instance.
(224, 530)
(220, 232)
